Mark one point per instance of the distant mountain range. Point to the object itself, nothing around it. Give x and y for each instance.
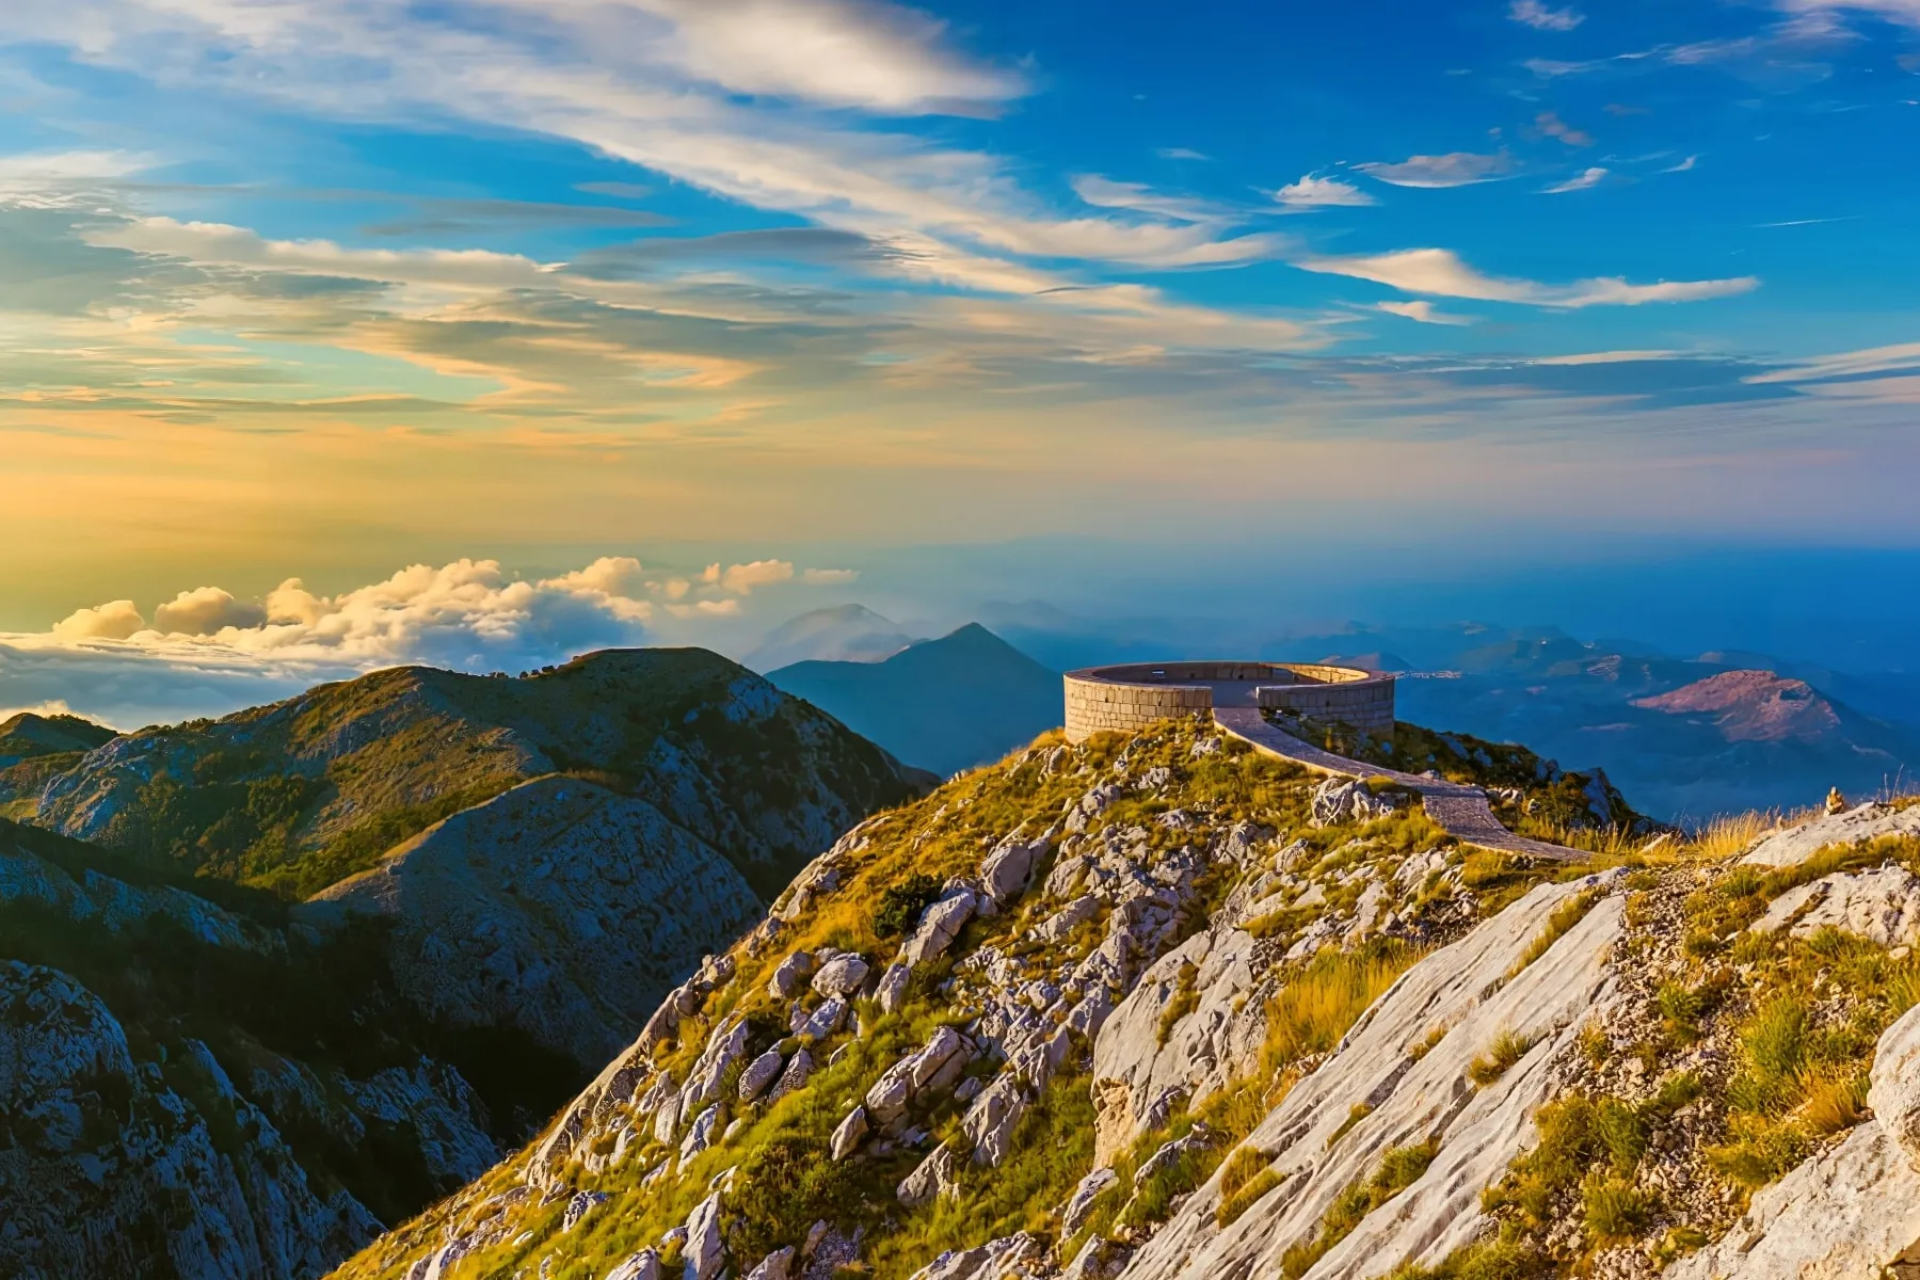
(965, 699)
(1684, 738)
(1767, 733)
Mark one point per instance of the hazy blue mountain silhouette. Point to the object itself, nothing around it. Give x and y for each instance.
(946, 705)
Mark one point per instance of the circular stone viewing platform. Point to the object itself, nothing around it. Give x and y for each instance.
(1131, 697)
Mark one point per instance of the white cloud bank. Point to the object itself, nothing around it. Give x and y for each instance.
(206, 652)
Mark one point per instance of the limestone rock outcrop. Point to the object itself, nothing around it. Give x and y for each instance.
(1793, 845)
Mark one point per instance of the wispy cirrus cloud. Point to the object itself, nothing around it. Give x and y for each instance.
(1583, 181)
(1906, 12)
(1538, 16)
(1423, 312)
(1441, 273)
(1454, 169)
(1551, 125)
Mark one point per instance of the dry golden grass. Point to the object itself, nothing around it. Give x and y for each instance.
(1834, 1103)
(1731, 834)
(1312, 1012)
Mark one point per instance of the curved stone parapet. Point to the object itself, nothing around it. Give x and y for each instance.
(1130, 697)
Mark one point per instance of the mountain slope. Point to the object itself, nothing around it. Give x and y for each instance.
(849, 633)
(559, 907)
(946, 704)
(263, 1087)
(301, 794)
(1130, 1008)
(1753, 706)
(191, 1088)
(955, 972)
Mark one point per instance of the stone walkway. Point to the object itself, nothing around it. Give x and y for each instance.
(1463, 810)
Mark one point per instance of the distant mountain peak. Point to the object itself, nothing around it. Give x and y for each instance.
(1753, 706)
(966, 698)
(842, 633)
(30, 733)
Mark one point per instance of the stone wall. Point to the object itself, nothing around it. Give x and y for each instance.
(1128, 698)
(1100, 706)
(1363, 705)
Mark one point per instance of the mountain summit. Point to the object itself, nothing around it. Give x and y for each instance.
(947, 704)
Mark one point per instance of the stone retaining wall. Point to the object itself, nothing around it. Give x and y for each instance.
(1128, 698)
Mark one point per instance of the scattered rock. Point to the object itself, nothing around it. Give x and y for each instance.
(851, 1131)
(893, 986)
(1882, 906)
(1079, 1205)
(841, 976)
(579, 1206)
(934, 1177)
(939, 925)
(705, 1253)
(760, 1074)
(791, 976)
(775, 1266)
(644, 1265)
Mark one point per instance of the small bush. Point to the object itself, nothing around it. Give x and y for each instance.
(1681, 1008)
(1834, 1104)
(1775, 1043)
(1622, 1131)
(901, 904)
(1616, 1211)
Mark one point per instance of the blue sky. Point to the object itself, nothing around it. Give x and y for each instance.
(322, 288)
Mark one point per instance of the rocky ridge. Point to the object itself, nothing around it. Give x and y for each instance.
(301, 794)
(1062, 990)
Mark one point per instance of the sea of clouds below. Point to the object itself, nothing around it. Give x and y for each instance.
(207, 653)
